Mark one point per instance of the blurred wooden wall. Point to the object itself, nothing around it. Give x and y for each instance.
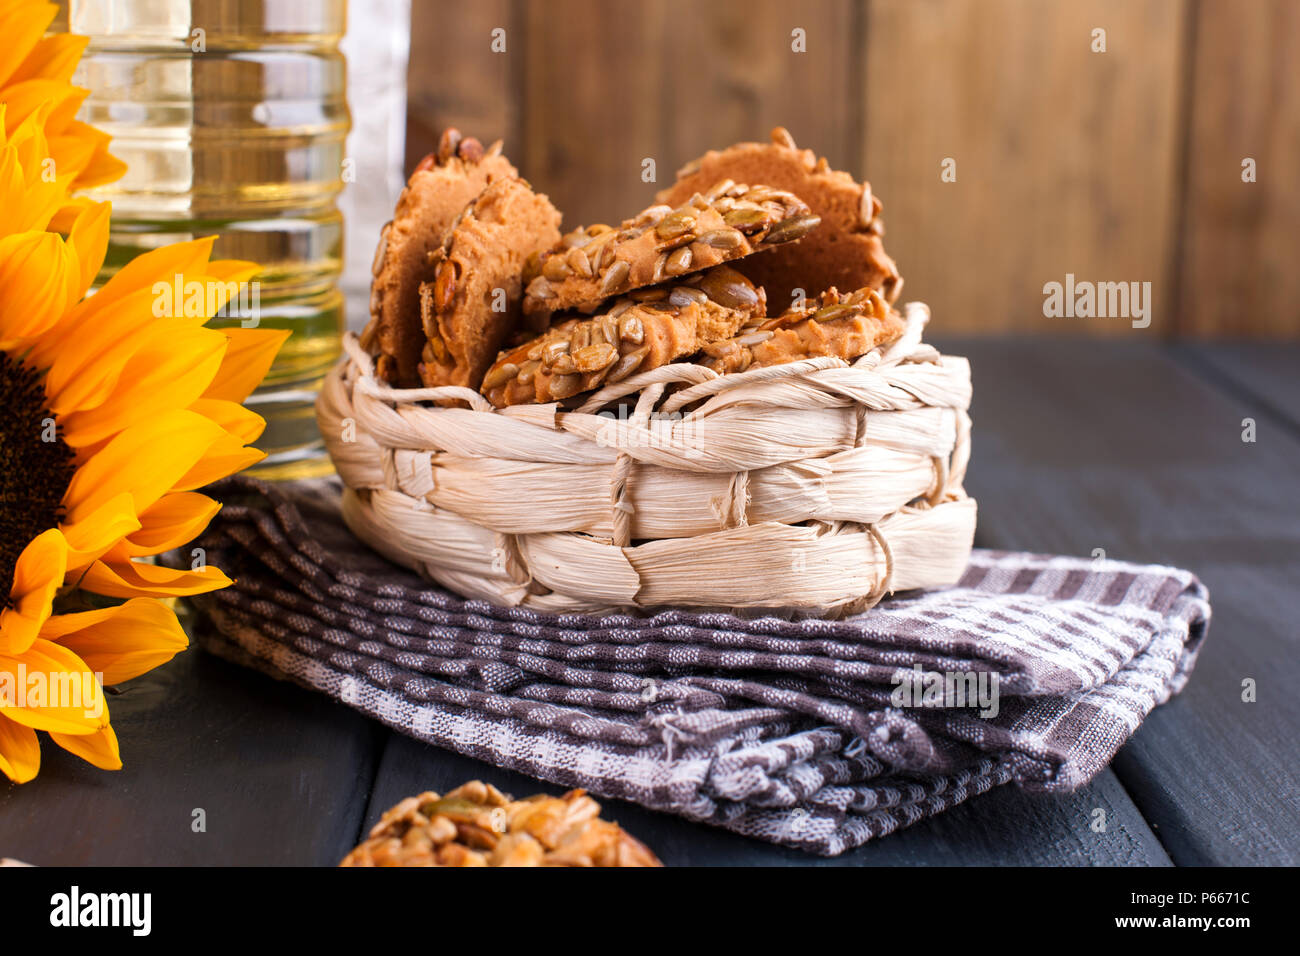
(1117, 166)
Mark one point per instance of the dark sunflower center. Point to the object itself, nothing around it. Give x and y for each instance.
(36, 465)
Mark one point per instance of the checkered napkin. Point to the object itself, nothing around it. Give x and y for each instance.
(792, 731)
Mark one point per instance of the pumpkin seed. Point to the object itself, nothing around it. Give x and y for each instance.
(684, 295)
(444, 287)
(722, 239)
(832, 312)
(747, 218)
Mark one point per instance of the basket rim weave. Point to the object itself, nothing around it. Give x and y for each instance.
(390, 465)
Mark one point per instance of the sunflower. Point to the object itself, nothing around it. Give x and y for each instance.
(114, 412)
(35, 77)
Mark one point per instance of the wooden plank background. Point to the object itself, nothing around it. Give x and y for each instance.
(1117, 166)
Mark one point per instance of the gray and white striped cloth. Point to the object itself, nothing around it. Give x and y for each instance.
(792, 731)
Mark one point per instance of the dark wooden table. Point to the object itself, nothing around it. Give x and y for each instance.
(1133, 448)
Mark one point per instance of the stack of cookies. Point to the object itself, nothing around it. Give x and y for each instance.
(759, 254)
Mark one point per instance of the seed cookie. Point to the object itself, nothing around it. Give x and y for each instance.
(472, 304)
(434, 196)
(843, 326)
(845, 252)
(640, 331)
(719, 223)
(478, 825)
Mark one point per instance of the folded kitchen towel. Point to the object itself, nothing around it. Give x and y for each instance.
(811, 733)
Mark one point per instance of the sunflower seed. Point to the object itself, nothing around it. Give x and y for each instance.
(526, 373)
(753, 338)
(631, 330)
(679, 262)
(580, 337)
(470, 150)
(648, 295)
(535, 353)
(565, 386)
(563, 365)
(699, 202)
(498, 375)
(376, 301)
(595, 357)
(539, 288)
(598, 229)
(781, 137)
(608, 326)
(747, 219)
(381, 250)
(448, 144)
(832, 312)
(660, 265)
(678, 223)
(532, 267)
(796, 227)
(684, 295)
(580, 264)
(621, 306)
(552, 351)
(439, 349)
(615, 276)
(555, 269)
(867, 207)
(627, 364)
(444, 287)
(720, 189)
(722, 239)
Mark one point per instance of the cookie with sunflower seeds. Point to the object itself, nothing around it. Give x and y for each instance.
(843, 326)
(846, 252)
(435, 195)
(471, 305)
(635, 333)
(723, 222)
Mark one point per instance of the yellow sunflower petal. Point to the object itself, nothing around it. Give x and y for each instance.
(117, 577)
(88, 238)
(248, 359)
(97, 531)
(70, 701)
(53, 58)
(38, 575)
(98, 749)
(120, 642)
(169, 370)
(170, 522)
(226, 456)
(20, 751)
(22, 27)
(145, 460)
(100, 168)
(243, 423)
(38, 271)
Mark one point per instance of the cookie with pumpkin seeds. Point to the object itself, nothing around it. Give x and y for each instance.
(637, 332)
(844, 326)
(846, 252)
(472, 304)
(721, 223)
(434, 196)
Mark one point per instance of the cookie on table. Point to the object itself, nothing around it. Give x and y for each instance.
(846, 252)
(720, 222)
(637, 332)
(478, 825)
(843, 326)
(434, 196)
(471, 305)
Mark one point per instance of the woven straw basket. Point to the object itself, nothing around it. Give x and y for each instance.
(816, 485)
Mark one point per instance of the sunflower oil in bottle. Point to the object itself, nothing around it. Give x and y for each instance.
(231, 116)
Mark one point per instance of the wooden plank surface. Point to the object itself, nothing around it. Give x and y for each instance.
(1065, 158)
(456, 78)
(1002, 827)
(1238, 274)
(281, 774)
(1087, 445)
